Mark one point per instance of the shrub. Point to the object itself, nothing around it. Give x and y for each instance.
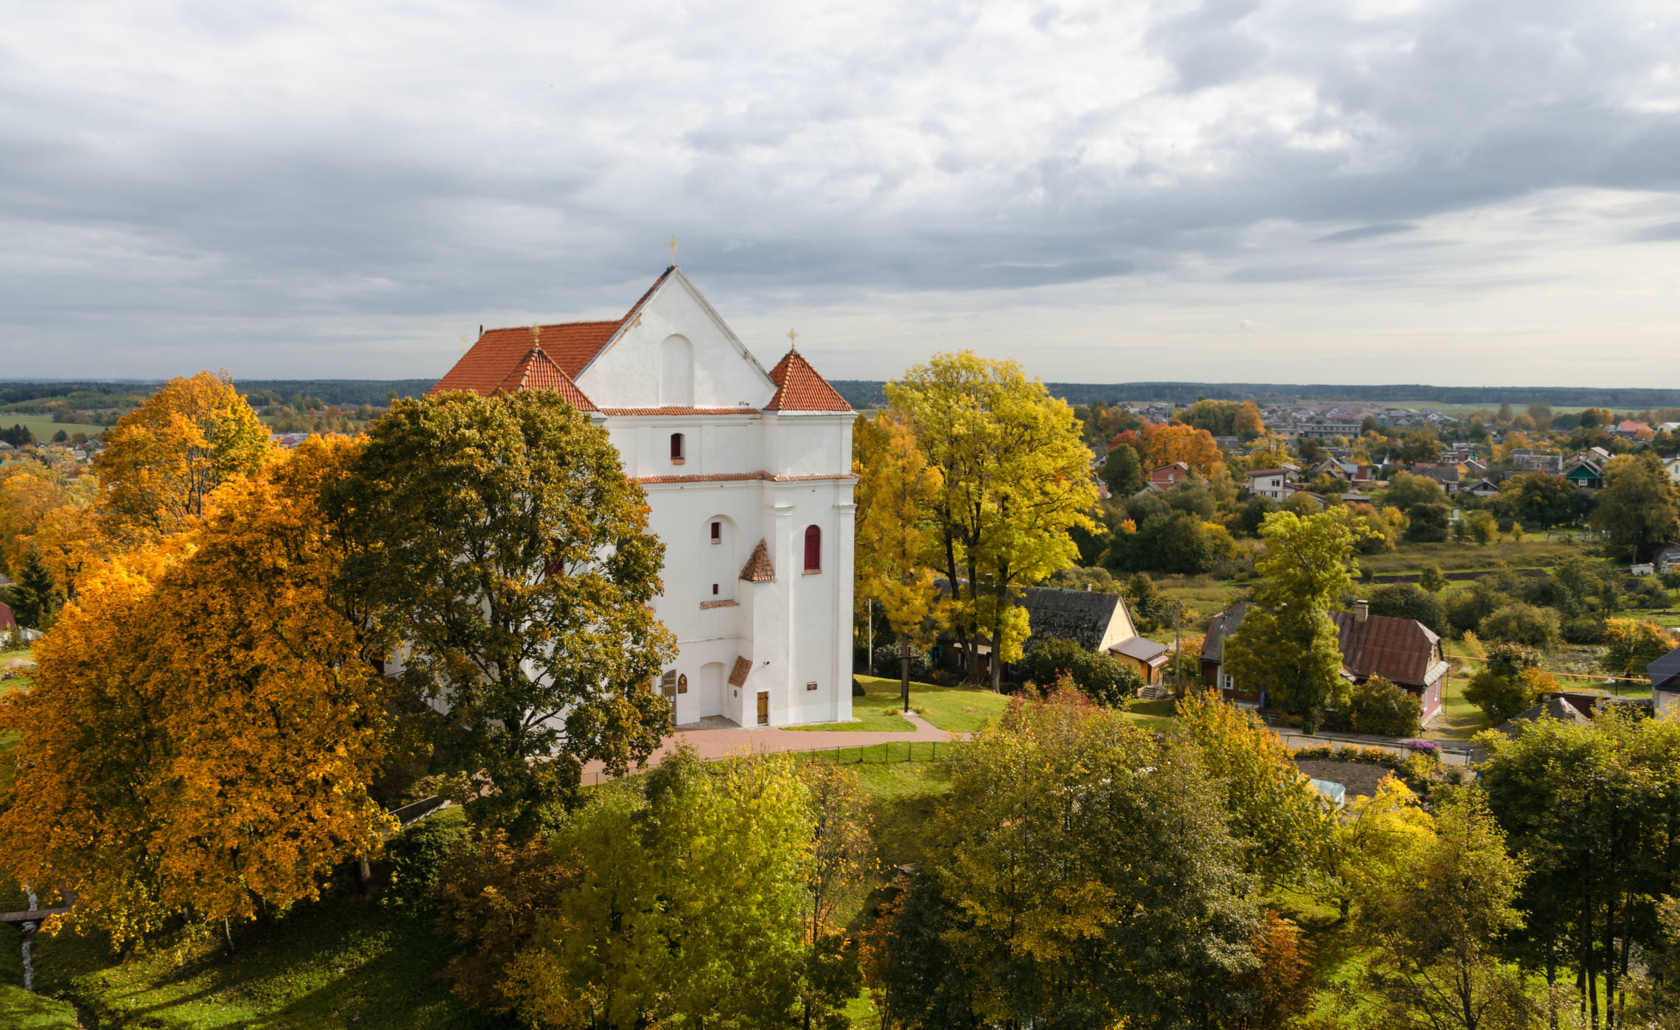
(1508, 659)
(1103, 678)
(1499, 697)
(887, 662)
(417, 855)
(1651, 594)
(1584, 629)
(1523, 624)
(1380, 707)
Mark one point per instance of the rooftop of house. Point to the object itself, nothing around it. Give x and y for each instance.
(1665, 671)
(1078, 615)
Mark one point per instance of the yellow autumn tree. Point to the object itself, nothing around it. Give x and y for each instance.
(894, 534)
(163, 459)
(203, 726)
(1015, 479)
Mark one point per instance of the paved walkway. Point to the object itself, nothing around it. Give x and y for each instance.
(722, 741)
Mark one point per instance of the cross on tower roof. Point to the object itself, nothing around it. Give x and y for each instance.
(793, 340)
(673, 245)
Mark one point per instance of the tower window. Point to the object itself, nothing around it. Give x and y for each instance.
(678, 455)
(717, 532)
(813, 549)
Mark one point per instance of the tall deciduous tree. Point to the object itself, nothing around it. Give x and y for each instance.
(1122, 471)
(896, 540)
(1275, 813)
(1638, 506)
(1436, 925)
(1593, 807)
(204, 727)
(163, 459)
(513, 557)
(1015, 479)
(1249, 424)
(687, 906)
(1084, 878)
(1286, 646)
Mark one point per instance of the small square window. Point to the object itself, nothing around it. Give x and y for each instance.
(717, 532)
(714, 589)
(811, 685)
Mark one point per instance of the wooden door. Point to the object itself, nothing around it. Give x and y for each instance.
(764, 708)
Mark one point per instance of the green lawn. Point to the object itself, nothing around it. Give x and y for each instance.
(1152, 715)
(21, 1010)
(955, 709)
(45, 428)
(869, 714)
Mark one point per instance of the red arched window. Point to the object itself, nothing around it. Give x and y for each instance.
(813, 549)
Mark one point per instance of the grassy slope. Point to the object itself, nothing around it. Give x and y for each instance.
(337, 963)
(955, 709)
(1532, 551)
(21, 1010)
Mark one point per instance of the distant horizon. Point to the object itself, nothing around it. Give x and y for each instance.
(866, 392)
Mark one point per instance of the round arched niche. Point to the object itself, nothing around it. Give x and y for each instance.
(676, 372)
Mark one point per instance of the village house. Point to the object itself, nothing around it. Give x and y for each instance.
(748, 475)
(1403, 651)
(1482, 488)
(1272, 483)
(1166, 477)
(1584, 474)
(1665, 684)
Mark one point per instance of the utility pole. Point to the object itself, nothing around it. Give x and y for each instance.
(904, 667)
(870, 661)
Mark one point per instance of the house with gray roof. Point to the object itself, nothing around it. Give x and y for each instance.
(1665, 683)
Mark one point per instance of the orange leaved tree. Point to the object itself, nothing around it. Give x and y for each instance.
(203, 727)
(164, 459)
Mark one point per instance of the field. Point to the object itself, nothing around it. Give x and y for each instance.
(44, 428)
(1532, 552)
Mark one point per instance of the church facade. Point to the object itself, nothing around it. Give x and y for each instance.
(748, 475)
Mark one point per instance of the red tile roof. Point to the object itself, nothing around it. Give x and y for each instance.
(537, 371)
(1399, 650)
(498, 352)
(799, 387)
(738, 674)
(758, 568)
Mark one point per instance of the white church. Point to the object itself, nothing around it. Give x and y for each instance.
(749, 477)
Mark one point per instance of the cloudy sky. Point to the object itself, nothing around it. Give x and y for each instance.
(1472, 192)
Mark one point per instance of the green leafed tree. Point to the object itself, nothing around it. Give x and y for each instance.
(1084, 878)
(1286, 646)
(1122, 471)
(1435, 927)
(1638, 506)
(513, 558)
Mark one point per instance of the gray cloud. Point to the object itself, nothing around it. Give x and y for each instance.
(218, 184)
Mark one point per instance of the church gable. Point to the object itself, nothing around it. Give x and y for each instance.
(673, 351)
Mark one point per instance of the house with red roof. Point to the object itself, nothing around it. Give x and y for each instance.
(748, 474)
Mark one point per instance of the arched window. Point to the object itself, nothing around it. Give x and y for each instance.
(676, 373)
(813, 549)
(678, 452)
